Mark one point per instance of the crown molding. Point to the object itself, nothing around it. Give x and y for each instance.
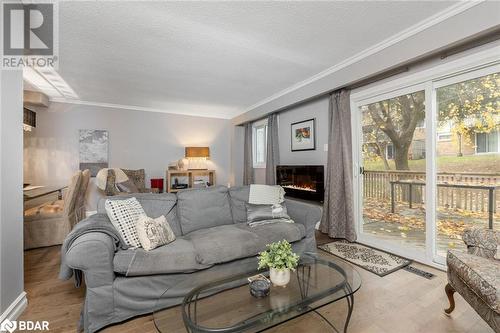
(394, 39)
(131, 107)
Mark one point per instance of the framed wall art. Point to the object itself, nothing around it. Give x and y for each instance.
(93, 150)
(303, 135)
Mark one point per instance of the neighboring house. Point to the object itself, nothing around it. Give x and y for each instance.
(449, 143)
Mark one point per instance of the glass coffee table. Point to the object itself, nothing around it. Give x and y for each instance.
(225, 305)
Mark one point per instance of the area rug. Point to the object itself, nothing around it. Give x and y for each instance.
(373, 260)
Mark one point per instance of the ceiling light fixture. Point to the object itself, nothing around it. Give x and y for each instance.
(49, 82)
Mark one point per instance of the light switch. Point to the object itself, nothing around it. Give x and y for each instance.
(325, 147)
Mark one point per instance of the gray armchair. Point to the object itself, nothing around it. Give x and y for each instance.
(476, 274)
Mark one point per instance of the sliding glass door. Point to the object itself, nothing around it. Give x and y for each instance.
(393, 156)
(467, 157)
(428, 157)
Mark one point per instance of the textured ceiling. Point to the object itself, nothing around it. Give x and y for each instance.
(215, 58)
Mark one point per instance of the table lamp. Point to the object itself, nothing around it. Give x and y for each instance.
(197, 157)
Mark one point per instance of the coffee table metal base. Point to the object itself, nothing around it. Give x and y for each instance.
(350, 307)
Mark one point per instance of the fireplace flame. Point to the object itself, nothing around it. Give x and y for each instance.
(300, 187)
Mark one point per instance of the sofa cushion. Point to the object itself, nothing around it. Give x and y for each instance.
(154, 205)
(203, 208)
(176, 257)
(277, 231)
(239, 197)
(481, 275)
(230, 242)
(223, 243)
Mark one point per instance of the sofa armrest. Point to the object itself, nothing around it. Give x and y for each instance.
(304, 213)
(93, 254)
(482, 242)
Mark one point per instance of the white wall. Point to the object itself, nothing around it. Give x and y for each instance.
(137, 139)
(11, 196)
(317, 109)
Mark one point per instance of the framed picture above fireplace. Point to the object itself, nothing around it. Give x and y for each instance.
(303, 135)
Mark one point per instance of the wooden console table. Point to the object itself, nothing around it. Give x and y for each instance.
(190, 175)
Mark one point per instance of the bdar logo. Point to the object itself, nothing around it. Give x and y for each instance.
(8, 325)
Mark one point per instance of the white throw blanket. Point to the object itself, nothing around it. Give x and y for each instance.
(266, 194)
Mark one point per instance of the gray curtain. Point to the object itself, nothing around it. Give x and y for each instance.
(273, 150)
(248, 157)
(338, 210)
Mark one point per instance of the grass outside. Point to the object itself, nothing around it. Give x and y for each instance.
(487, 163)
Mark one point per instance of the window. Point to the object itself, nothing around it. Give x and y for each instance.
(487, 142)
(444, 131)
(444, 137)
(418, 150)
(259, 144)
(390, 151)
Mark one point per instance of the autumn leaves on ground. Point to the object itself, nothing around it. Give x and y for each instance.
(451, 222)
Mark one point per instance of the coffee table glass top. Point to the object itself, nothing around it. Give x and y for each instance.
(226, 305)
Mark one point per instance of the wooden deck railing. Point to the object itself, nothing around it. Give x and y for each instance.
(376, 184)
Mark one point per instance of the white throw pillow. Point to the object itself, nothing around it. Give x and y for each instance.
(124, 215)
(154, 232)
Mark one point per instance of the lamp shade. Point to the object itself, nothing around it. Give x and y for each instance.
(197, 152)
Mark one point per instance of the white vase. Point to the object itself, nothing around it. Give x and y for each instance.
(279, 277)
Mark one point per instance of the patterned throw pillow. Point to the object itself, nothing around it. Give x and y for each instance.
(127, 186)
(154, 232)
(124, 215)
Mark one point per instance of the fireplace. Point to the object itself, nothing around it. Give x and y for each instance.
(302, 181)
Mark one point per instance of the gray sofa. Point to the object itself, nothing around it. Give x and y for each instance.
(213, 240)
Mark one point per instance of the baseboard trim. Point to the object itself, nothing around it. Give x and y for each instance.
(16, 308)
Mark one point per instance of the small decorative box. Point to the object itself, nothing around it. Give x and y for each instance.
(259, 286)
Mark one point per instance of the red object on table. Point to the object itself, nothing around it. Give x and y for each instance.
(157, 183)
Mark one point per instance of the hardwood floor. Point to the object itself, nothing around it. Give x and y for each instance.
(399, 302)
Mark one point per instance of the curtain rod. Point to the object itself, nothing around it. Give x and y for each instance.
(471, 42)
